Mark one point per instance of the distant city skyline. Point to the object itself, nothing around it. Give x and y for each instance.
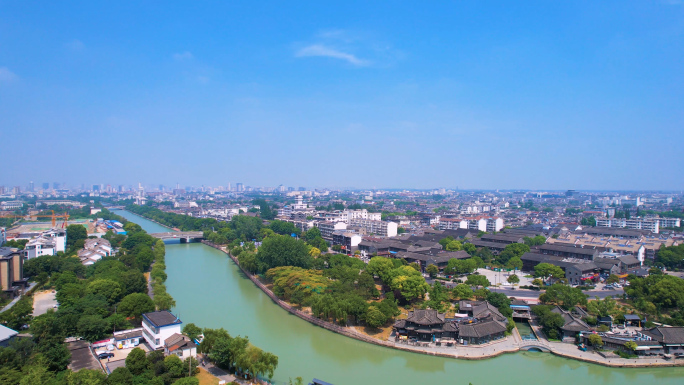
(481, 95)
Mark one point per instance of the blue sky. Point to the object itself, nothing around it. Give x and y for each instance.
(476, 94)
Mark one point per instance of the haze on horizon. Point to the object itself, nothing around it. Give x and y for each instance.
(486, 95)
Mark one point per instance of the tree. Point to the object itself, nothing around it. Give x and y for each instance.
(513, 279)
(537, 282)
(192, 331)
(409, 282)
(535, 241)
(602, 308)
(75, 233)
(595, 340)
(631, 346)
(174, 366)
(136, 361)
(374, 317)
(470, 248)
(120, 376)
(314, 252)
(92, 327)
(381, 267)
(612, 279)
(512, 250)
(454, 246)
(312, 234)
(547, 270)
(477, 280)
(110, 290)
(134, 305)
(280, 250)
(564, 296)
(86, 377)
(416, 266)
(432, 270)
(462, 291)
(515, 263)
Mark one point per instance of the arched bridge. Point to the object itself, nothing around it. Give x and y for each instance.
(184, 236)
(534, 346)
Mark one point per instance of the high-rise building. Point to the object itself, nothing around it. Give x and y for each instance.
(302, 189)
(228, 188)
(121, 188)
(55, 185)
(96, 187)
(240, 187)
(31, 186)
(16, 190)
(2, 189)
(46, 186)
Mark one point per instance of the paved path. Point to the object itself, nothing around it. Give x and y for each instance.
(218, 372)
(9, 305)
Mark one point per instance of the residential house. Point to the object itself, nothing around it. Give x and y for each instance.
(180, 345)
(158, 326)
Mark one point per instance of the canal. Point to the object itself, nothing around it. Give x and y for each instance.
(210, 291)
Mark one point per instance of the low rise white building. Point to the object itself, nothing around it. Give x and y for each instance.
(328, 228)
(159, 326)
(488, 224)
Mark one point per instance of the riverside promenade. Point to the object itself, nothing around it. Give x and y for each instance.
(510, 344)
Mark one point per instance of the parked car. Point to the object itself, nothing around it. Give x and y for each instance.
(104, 355)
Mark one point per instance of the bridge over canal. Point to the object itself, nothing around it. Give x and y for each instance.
(184, 236)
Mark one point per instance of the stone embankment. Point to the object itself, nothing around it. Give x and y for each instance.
(510, 344)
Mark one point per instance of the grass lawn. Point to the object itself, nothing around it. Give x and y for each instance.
(205, 378)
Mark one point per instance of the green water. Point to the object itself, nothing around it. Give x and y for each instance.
(211, 291)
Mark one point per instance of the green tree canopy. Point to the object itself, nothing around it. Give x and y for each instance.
(283, 250)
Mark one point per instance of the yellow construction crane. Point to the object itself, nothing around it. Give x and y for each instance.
(53, 217)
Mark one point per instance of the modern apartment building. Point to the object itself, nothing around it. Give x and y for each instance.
(361, 214)
(328, 228)
(374, 227)
(489, 224)
(651, 224)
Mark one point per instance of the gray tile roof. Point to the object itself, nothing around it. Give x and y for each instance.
(162, 318)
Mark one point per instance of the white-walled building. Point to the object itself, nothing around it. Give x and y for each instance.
(328, 228)
(488, 224)
(3, 236)
(58, 236)
(158, 326)
(40, 246)
(11, 205)
(380, 228)
(351, 215)
(652, 225)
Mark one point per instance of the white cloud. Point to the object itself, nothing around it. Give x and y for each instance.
(7, 76)
(75, 45)
(321, 50)
(182, 56)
